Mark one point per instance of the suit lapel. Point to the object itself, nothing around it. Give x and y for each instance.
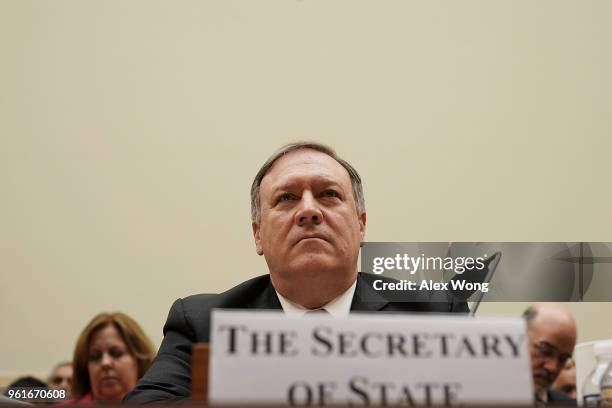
(266, 299)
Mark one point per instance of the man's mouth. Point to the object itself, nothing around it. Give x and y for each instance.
(309, 237)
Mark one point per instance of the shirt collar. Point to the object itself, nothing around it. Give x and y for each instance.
(338, 307)
(541, 396)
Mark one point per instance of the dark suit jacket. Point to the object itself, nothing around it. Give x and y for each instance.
(169, 377)
(557, 398)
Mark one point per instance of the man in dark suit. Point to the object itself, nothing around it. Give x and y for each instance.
(308, 219)
(552, 337)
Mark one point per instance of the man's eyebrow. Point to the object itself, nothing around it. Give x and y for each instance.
(547, 345)
(287, 185)
(320, 181)
(550, 346)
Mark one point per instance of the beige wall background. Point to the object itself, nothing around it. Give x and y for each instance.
(130, 133)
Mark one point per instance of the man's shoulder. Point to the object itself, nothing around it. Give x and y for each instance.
(254, 293)
(370, 278)
(374, 289)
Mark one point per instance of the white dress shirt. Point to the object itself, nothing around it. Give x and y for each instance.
(338, 307)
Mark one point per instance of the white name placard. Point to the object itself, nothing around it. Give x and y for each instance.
(368, 359)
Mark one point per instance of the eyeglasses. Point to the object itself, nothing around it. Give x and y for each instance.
(548, 351)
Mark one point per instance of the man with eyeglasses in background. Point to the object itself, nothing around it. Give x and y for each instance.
(61, 377)
(552, 337)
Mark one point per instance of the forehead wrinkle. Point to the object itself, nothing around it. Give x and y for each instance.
(291, 181)
(303, 173)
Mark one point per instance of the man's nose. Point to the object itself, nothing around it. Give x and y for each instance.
(308, 212)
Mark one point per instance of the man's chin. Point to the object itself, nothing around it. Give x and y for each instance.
(541, 383)
(313, 265)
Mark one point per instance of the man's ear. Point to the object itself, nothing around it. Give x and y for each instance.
(257, 237)
(362, 225)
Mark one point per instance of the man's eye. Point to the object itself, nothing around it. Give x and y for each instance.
(285, 197)
(330, 193)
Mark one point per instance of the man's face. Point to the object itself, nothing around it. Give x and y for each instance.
(61, 378)
(551, 345)
(309, 224)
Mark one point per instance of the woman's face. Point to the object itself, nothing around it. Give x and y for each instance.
(113, 371)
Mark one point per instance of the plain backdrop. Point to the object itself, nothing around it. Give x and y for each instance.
(130, 132)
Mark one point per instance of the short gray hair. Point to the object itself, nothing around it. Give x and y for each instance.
(353, 174)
